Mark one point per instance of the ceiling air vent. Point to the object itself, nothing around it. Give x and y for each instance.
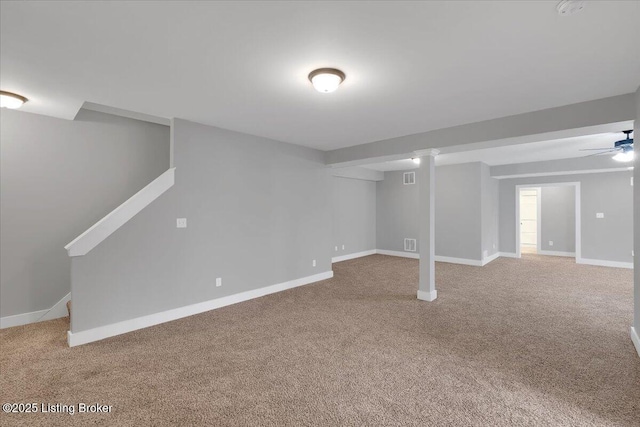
(410, 245)
(409, 178)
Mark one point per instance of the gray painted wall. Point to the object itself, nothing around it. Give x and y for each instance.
(459, 211)
(396, 212)
(57, 178)
(558, 218)
(607, 239)
(258, 212)
(636, 218)
(466, 211)
(354, 215)
(489, 209)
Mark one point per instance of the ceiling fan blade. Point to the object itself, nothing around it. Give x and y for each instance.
(604, 152)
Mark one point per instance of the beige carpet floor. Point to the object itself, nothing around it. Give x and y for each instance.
(539, 341)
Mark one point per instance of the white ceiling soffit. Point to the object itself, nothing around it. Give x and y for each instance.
(566, 148)
(411, 66)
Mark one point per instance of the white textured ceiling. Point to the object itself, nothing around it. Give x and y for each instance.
(566, 148)
(411, 66)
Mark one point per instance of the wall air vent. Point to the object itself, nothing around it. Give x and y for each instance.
(410, 245)
(409, 178)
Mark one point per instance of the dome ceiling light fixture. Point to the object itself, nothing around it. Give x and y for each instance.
(326, 80)
(569, 7)
(11, 100)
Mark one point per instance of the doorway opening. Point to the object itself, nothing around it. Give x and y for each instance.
(529, 220)
(556, 232)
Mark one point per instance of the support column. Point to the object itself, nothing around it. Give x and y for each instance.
(426, 180)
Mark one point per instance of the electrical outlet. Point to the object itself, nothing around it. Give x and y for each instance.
(218, 282)
(632, 253)
(485, 254)
(494, 246)
(599, 215)
(181, 223)
(313, 263)
(550, 242)
(343, 247)
(336, 249)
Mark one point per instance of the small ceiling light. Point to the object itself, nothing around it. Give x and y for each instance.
(11, 100)
(624, 156)
(569, 7)
(326, 80)
(416, 160)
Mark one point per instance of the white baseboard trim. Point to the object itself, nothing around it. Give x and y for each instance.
(490, 258)
(413, 255)
(21, 319)
(57, 311)
(557, 253)
(353, 256)
(463, 261)
(604, 263)
(451, 260)
(428, 296)
(508, 255)
(102, 332)
(636, 339)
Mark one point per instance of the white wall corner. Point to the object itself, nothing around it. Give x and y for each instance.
(635, 339)
(428, 296)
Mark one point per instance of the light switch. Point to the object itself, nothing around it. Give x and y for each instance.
(599, 215)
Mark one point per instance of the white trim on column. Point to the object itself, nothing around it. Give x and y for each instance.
(428, 296)
(102, 332)
(635, 339)
(352, 256)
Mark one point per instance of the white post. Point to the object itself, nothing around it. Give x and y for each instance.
(426, 180)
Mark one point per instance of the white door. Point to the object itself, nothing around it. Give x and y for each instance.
(529, 218)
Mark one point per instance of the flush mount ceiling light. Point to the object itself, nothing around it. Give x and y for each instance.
(11, 100)
(569, 7)
(326, 80)
(416, 160)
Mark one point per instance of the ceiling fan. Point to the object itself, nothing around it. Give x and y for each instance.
(623, 149)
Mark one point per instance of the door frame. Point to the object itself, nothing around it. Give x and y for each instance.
(576, 186)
